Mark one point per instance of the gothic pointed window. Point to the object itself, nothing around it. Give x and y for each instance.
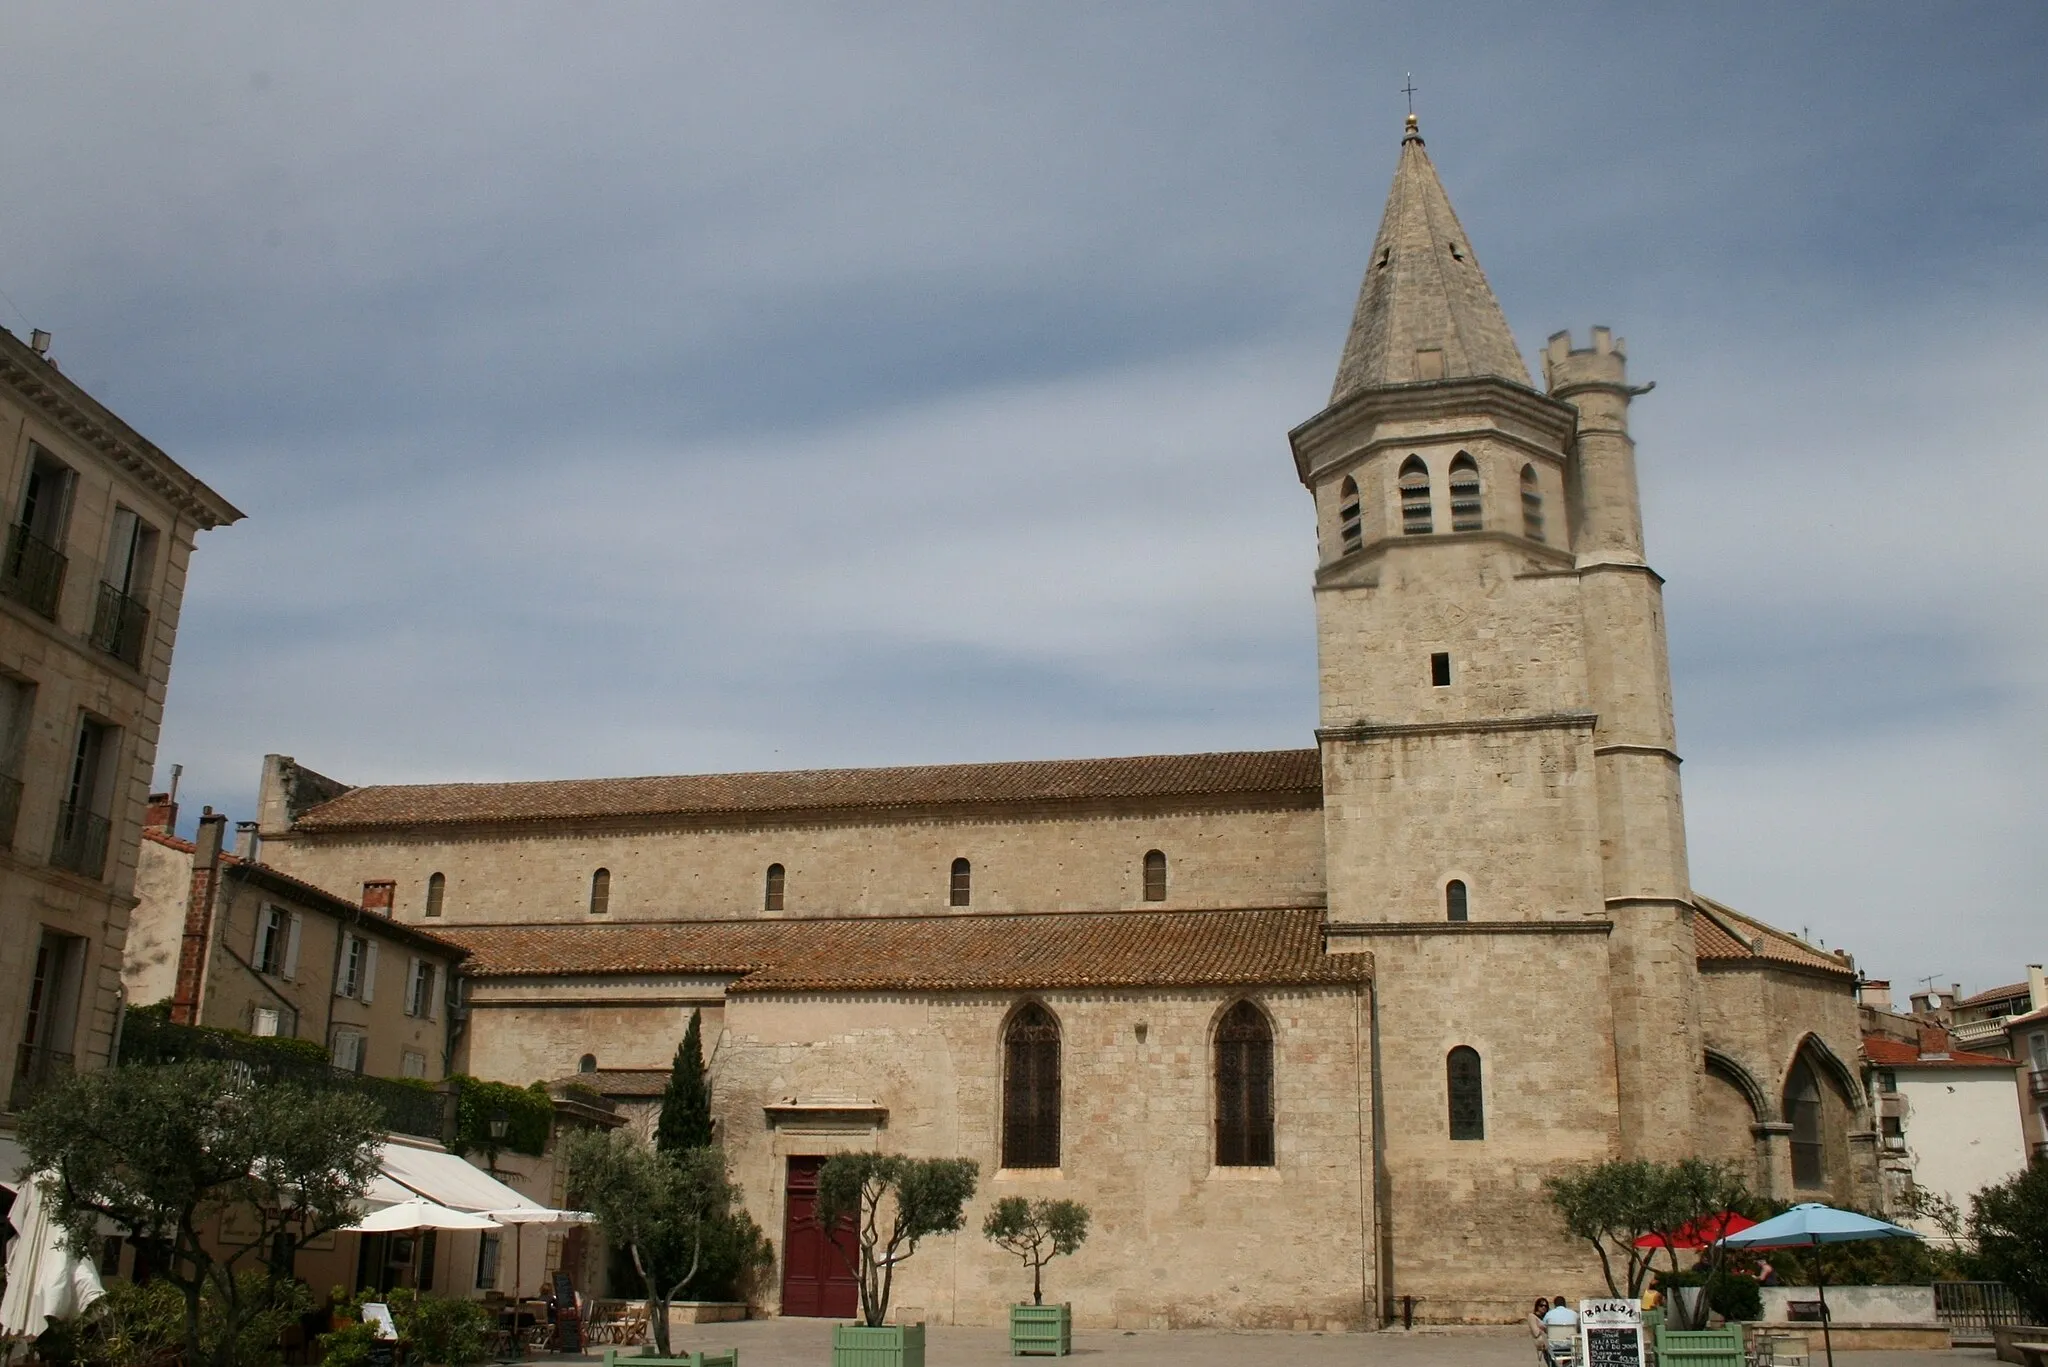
(1803, 1113)
(1467, 1096)
(1348, 522)
(437, 894)
(1532, 504)
(1456, 907)
(1415, 518)
(963, 883)
(771, 898)
(1155, 875)
(1466, 512)
(600, 892)
(1244, 1089)
(1031, 1089)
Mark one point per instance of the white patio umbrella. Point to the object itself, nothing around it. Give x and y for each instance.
(516, 1216)
(45, 1280)
(1809, 1226)
(418, 1213)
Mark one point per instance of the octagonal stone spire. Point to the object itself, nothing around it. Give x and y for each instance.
(1425, 311)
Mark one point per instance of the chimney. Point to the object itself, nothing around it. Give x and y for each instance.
(39, 342)
(161, 815)
(189, 994)
(246, 843)
(1933, 1041)
(1875, 993)
(377, 896)
(2037, 988)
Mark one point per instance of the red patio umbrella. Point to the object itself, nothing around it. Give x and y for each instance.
(1700, 1233)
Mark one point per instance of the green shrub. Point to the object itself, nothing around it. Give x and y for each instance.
(529, 1114)
(431, 1329)
(144, 1326)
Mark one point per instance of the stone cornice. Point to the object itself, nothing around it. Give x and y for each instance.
(1340, 573)
(1438, 400)
(1665, 751)
(66, 405)
(1386, 928)
(1549, 721)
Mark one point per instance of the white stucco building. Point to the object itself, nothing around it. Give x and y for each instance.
(1946, 1117)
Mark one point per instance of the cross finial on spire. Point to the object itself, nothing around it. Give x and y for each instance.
(1409, 91)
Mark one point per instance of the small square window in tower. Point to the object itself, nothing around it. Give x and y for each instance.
(1440, 669)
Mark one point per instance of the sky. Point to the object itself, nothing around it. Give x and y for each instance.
(671, 388)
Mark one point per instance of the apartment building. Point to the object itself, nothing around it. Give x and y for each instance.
(101, 528)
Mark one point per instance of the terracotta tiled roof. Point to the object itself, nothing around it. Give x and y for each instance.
(1994, 994)
(1891, 1053)
(936, 953)
(1722, 935)
(1262, 773)
(620, 1081)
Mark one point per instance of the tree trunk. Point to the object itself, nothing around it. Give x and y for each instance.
(657, 1308)
(1037, 1278)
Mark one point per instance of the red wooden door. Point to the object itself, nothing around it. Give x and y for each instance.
(816, 1278)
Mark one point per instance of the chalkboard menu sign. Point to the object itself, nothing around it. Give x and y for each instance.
(1611, 1333)
(568, 1323)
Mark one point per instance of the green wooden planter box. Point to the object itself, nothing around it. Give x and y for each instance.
(710, 1357)
(1041, 1330)
(892, 1345)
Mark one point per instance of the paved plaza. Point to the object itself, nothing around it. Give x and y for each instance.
(808, 1343)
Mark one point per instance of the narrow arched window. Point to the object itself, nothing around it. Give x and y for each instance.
(1468, 1097)
(1456, 907)
(1155, 875)
(1348, 520)
(587, 1064)
(1532, 504)
(771, 896)
(1466, 512)
(1031, 1089)
(963, 883)
(1244, 1089)
(1415, 519)
(437, 893)
(600, 892)
(1803, 1113)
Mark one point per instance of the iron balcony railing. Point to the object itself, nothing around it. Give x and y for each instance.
(408, 1108)
(2037, 1082)
(33, 571)
(10, 808)
(120, 625)
(81, 841)
(1975, 1306)
(36, 1069)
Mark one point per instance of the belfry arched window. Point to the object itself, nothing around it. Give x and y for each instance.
(1031, 1089)
(1467, 514)
(600, 892)
(962, 891)
(437, 894)
(587, 1064)
(1467, 1095)
(1349, 524)
(1155, 875)
(1803, 1113)
(1244, 1088)
(1415, 519)
(771, 894)
(1532, 504)
(1457, 906)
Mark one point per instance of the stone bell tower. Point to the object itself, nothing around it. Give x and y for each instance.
(1502, 829)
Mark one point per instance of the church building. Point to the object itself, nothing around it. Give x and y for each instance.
(1306, 1030)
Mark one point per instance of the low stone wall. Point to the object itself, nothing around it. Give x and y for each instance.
(1854, 1304)
(704, 1312)
(2004, 1336)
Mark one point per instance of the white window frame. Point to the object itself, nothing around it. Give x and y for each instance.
(266, 1022)
(357, 1046)
(413, 1063)
(272, 929)
(348, 966)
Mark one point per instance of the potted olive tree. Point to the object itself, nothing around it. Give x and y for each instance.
(1038, 1231)
(895, 1203)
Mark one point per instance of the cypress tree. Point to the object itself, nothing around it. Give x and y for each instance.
(686, 1103)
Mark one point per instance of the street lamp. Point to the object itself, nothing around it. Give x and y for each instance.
(499, 1125)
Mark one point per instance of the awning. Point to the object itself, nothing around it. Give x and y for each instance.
(447, 1180)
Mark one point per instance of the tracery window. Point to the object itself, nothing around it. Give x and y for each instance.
(1532, 504)
(1467, 1096)
(771, 897)
(1456, 904)
(1415, 516)
(1348, 519)
(1466, 512)
(1155, 875)
(600, 892)
(437, 893)
(1803, 1113)
(1031, 1089)
(963, 883)
(1244, 1088)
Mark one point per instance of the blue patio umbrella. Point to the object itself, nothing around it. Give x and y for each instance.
(1809, 1226)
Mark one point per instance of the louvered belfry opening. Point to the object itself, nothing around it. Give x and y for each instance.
(1244, 1089)
(1031, 1090)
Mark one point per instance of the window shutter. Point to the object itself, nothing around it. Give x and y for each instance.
(341, 965)
(291, 947)
(433, 992)
(413, 1005)
(369, 971)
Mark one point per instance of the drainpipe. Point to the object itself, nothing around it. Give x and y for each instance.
(190, 993)
(1382, 1185)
